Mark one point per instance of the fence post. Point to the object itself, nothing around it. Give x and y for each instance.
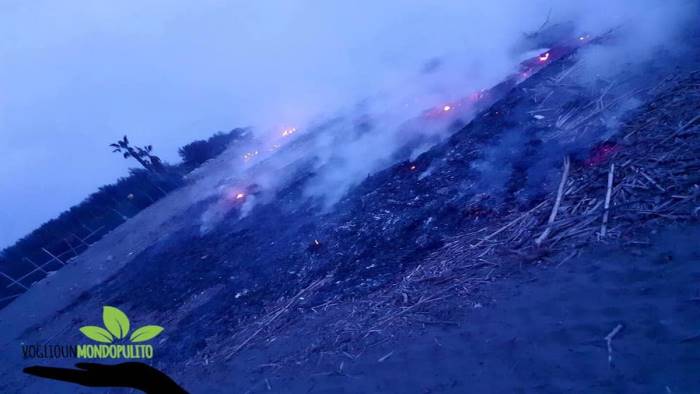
(52, 256)
(14, 282)
(34, 264)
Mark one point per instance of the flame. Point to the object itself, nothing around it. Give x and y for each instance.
(544, 57)
(413, 167)
(316, 242)
(249, 155)
(289, 131)
(446, 108)
(240, 196)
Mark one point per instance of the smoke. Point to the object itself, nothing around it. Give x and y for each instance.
(469, 48)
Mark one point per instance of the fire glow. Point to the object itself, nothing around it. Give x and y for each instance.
(289, 131)
(544, 57)
(272, 147)
(235, 196)
(249, 155)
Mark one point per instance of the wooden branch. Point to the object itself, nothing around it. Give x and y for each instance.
(606, 209)
(651, 180)
(608, 341)
(516, 220)
(277, 314)
(557, 203)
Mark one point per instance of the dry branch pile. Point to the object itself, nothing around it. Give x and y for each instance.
(650, 173)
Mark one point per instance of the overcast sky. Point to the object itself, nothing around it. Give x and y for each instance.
(77, 75)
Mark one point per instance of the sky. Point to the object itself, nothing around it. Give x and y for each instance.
(77, 75)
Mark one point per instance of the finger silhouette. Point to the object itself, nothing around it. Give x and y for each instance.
(130, 374)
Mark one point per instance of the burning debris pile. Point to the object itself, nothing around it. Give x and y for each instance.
(646, 174)
(546, 170)
(651, 177)
(435, 227)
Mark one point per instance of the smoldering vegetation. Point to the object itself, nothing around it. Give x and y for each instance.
(343, 148)
(435, 224)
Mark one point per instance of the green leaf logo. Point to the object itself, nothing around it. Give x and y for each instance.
(98, 334)
(145, 333)
(116, 321)
(117, 324)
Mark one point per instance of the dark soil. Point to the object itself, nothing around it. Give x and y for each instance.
(540, 331)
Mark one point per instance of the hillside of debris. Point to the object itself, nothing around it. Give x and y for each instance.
(558, 165)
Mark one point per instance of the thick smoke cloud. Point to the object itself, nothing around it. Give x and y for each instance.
(74, 76)
(483, 47)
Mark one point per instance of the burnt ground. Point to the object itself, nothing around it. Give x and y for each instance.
(540, 329)
(257, 290)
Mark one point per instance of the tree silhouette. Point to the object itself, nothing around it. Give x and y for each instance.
(143, 155)
(73, 230)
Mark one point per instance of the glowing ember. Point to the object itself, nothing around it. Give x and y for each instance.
(601, 154)
(544, 57)
(476, 96)
(239, 196)
(250, 155)
(288, 132)
(446, 108)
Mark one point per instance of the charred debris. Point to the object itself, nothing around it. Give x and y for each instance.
(556, 164)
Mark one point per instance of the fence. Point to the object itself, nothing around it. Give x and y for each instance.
(56, 256)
